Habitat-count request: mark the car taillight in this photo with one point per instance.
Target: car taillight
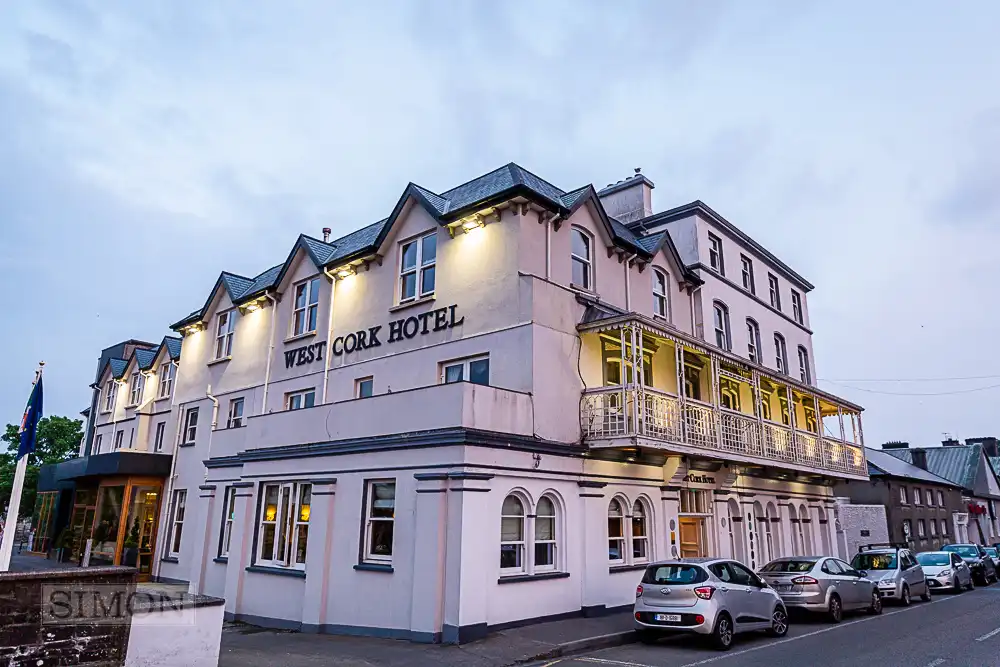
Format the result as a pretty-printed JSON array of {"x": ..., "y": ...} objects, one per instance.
[
  {"x": 704, "y": 592},
  {"x": 804, "y": 581},
  {"x": 699, "y": 619},
  {"x": 638, "y": 591}
]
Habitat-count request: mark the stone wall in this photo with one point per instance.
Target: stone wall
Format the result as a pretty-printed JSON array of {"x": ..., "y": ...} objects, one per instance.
[
  {"x": 860, "y": 524},
  {"x": 32, "y": 637}
]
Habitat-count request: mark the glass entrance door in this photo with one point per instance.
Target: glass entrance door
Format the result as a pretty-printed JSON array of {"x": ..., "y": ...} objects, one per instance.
[{"x": 140, "y": 528}]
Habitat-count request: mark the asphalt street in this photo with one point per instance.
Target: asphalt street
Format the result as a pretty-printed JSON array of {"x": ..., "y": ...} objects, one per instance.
[{"x": 949, "y": 631}]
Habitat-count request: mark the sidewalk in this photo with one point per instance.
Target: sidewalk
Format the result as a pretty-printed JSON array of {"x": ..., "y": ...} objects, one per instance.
[{"x": 248, "y": 646}]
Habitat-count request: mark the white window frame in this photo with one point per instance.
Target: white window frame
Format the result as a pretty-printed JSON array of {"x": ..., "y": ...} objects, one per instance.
[
  {"x": 136, "y": 384},
  {"x": 720, "y": 322},
  {"x": 587, "y": 262},
  {"x": 805, "y": 372},
  {"x": 553, "y": 540},
  {"x": 797, "y": 307},
  {"x": 236, "y": 405},
  {"x": 620, "y": 539},
  {"x": 917, "y": 499},
  {"x": 167, "y": 372},
  {"x": 940, "y": 498},
  {"x": 753, "y": 342},
  {"x": 716, "y": 255},
  {"x": 119, "y": 439},
  {"x": 780, "y": 353},
  {"x": 289, "y": 523},
  {"x": 661, "y": 297},
  {"x": 520, "y": 545},
  {"x": 420, "y": 266},
  {"x": 110, "y": 395},
  {"x": 178, "y": 508},
  {"x": 370, "y": 521},
  {"x": 465, "y": 366},
  {"x": 921, "y": 528},
  {"x": 225, "y": 326},
  {"x": 748, "y": 279},
  {"x": 228, "y": 514},
  {"x": 932, "y": 527},
  {"x": 158, "y": 434},
  {"x": 300, "y": 396},
  {"x": 774, "y": 289},
  {"x": 359, "y": 384},
  {"x": 929, "y": 498},
  {"x": 637, "y": 538},
  {"x": 97, "y": 443},
  {"x": 904, "y": 498},
  {"x": 190, "y": 432},
  {"x": 305, "y": 307}
]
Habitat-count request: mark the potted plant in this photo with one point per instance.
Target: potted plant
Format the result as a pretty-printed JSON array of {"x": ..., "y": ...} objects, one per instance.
[{"x": 130, "y": 555}]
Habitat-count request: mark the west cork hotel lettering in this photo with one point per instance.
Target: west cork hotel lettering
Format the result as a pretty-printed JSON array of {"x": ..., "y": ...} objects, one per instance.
[{"x": 435, "y": 320}]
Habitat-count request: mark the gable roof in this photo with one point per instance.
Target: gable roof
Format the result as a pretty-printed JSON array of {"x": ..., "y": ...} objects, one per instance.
[
  {"x": 882, "y": 464},
  {"x": 118, "y": 367},
  {"x": 144, "y": 358},
  {"x": 959, "y": 464},
  {"x": 173, "y": 345},
  {"x": 653, "y": 243}
]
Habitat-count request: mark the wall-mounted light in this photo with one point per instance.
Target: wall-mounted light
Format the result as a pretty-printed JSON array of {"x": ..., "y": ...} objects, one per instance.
[
  {"x": 468, "y": 224},
  {"x": 253, "y": 306},
  {"x": 475, "y": 223},
  {"x": 345, "y": 271},
  {"x": 193, "y": 328}
]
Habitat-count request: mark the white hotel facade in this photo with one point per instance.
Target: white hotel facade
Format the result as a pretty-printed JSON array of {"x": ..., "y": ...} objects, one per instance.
[{"x": 493, "y": 406}]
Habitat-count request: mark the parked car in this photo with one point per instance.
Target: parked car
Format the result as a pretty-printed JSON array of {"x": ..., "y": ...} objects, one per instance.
[
  {"x": 983, "y": 569},
  {"x": 946, "y": 570},
  {"x": 894, "y": 570},
  {"x": 822, "y": 584},
  {"x": 994, "y": 553},
  {"x": 706, "y": 596}
]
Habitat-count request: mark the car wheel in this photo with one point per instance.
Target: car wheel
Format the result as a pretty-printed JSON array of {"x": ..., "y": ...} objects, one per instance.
[
  {"x": 836, "y": 610},
  {"x": 958, "y": 585},
  {"x": 646, "y": 636},
  {"x": 926, "y": 595},
  {"x": 876, "y": 606},
  {"x": 779, "y": 622},
  {"x": 722, "y": 635},
  {"x": 972, "y": 583},
  {"x": 905, "y": 596}
]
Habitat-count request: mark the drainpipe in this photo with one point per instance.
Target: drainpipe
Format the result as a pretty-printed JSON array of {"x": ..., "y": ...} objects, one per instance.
[
  {"x": 628, "y": 290},
  {"x": 694, "y": 323},
  {"x": 548, "y": 249},
  {"x": 270, "y": 351},
  {"x": 215, "y": 423},
  {"x": 329, "y": 332},
  {"x": 165, "y": 500}
]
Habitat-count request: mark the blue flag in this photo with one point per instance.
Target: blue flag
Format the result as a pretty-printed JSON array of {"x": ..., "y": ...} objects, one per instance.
[{"x": 29, "y": 425}]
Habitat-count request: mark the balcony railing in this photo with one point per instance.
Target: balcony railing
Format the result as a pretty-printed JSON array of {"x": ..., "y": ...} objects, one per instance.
[{"x": 613, "y": 413}]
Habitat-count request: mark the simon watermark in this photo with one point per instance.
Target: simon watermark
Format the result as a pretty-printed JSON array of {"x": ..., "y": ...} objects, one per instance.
[{"x": 109, "y": 604}]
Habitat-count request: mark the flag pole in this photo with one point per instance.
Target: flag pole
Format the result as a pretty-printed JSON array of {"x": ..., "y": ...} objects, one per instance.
[{"x": 7, "y": 544}]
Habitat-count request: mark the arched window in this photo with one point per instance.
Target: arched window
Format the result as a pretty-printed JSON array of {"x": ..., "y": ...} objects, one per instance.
[
  {"x": 723, "y": 337},
  {"x": 512, "y": 535},
  {"x": 804, "y": 542},
  {"x": 753, "y": 342},
  {"x": 661, "y": 294},
  {"x": 616, "y": 532},
  {"x": 545, "y": 535},
  {"x": 581, "y": 254},
  {"x": 780, "y": 353},
  {"x": 804, "y": 373},
  {"x": 640, "y": 533}
]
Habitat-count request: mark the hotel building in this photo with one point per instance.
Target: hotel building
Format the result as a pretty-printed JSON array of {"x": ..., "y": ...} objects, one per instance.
[{"x": 495, "y": 405}]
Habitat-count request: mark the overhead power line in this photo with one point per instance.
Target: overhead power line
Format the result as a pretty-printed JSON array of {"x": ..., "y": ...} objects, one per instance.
[
  {"x": 953, "y": 379},
  {"x": 909, "y": 393}
]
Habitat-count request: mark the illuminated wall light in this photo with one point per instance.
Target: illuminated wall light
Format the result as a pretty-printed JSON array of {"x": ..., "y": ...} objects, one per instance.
[
  {"x": 346, "y": 272},
  {"x": 475, "y": 223}
]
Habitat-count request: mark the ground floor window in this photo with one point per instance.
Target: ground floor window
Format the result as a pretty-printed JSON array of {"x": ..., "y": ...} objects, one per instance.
[
  {"x": 380, "y": 514},
  {"x": 512, "y": 536},
  {"x": 177, "y": 508},
  {"x": 518, "y": 537},
  {"x": 284, "y": 524},
  {"x": 45, "y": 504},
  {"x": 228, "y": 514}
]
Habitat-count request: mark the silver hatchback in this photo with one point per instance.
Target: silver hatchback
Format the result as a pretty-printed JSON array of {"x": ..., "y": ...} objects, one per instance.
[
  {"x": 822, "y": 584},
  {"x": 706, "y": 596}
]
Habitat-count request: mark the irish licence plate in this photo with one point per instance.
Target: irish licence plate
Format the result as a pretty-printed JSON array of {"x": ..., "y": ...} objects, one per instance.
[
  {"x": 783, "y": 587},
  {"x": 667, "y": 618}
]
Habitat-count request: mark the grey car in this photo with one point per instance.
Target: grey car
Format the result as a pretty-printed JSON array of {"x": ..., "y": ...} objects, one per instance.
[
  {"x": 983, "y": 570},
  {"x": 945, "y": 570},
  {"x": 822, "y": 584},
  {"x": 706, "y": 596},
  {"x": 894, "y": 570}
]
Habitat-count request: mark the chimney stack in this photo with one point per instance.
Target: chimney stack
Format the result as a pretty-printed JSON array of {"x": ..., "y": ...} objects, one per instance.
[
  {"x": 990, "y": 445},
  {"x": 629, "y": 200},
  {"x": 951, "y": 442},
  {"x": 895, "y": 444},
  {"x": 920, "y": 458},
  {"x": 326, "y": 235}
]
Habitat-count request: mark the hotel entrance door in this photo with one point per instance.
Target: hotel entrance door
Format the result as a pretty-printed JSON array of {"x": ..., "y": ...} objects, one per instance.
[{"x": 692, "y": 536}]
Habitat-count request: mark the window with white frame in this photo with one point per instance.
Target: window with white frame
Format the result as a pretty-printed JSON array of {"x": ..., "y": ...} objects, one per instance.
[
  {"x": 797, "y": 307},
  {"x": 780, "y": 354},
  {"x": 284, "y": 524},
  {"x": 119, "y": 437},
  {"x": 135, "y": 386},
  {"x": 921, "y": 532},
  {"x": 224, "y": 328},
  {"x": 512, "y": 536},
  {"x": 306, "y": 307},
  {"x": 97, "y": 443},
  {"x": 417, "y": 267},
  {"x": 190, "y": 426},
  {"x": 167, "y": 372},
  {"x": 753, "y": 342},
  {"x": 235, "y": 418},
  {"x": 364, "y": 387},
  {"x": 933, "y": 527},
  {"x": 929, "y": 496},
  {"x": 940, "y": 498},
  {"x": 582, "y": 259},
  {"x": 661, "y": 294},
  {"x": 640, "y": 533},
  {"x": 715, "y": 257},
  {"x": 616, "y": 531},
  {"x": 110, "y": 395},
  {"x": 723, "y": 336},
  {"x": 298, "y": 400},
  {"x": 903, "y": 498},
  {"x": 228, "y": 515},
  {"x": 748, "y": 283},
  {"x": 544, "y": 546},
  {"x": 916, "y": 496},
  {"x": 805, "y": 374},
  {"x": 775, "y": 291},
  {"x": 177, "y": 508},
  {"x": 161, "y": 428},
  {"x": 380, "y": 513},
  {"x": 474, "y": 369}
]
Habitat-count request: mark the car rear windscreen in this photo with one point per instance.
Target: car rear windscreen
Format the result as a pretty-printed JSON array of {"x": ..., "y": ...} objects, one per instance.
[
  {"x": 934, "y": 559},
  {"x": 674, "y": 575},
  {"x": 801, "y": 565},
  {"x": 874, "y": 561}
]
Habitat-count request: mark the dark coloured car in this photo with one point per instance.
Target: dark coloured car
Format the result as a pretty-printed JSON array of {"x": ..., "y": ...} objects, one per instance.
[{"x": 984, "y": 572}]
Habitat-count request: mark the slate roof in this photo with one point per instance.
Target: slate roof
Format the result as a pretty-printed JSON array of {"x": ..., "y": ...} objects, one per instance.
[
  {"x": 118, "y": 367},
  {"x": 958, "y": 465},
  {"x": 173, "y": 346},
  {"x": 881, "y": 463},
  {"x": 235, "y": 285},
  {"x": 995, "y": 463},
  {"x": 144, "y": 358}
]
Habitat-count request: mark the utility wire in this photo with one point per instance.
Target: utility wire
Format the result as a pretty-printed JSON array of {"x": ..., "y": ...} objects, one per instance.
[
  {"x": 970, "y": 377},
  {"x": 907, "y": 393}
]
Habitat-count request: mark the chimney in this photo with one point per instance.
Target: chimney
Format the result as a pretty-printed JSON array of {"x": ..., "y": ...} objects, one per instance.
[
  {"x": 990, "y": 445},
  {"x": 326, "y": 235},
  {"x": 920, "y": 458},
  {"x": 629, "y": 200},
  {"x": 951, "y": 442},
  {"x": 895, "y": 444}
]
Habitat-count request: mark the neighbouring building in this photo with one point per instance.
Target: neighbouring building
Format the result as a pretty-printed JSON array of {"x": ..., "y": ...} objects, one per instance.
[
  {"x": 496, "y": 404},
  {"x": 110, "y": 495},
  {"x": 922, "y": 509},
  {"x": 967, "y": 466}
]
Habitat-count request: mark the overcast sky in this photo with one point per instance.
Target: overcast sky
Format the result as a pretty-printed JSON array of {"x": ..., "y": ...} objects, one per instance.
[{"x": 145, "y": 146}]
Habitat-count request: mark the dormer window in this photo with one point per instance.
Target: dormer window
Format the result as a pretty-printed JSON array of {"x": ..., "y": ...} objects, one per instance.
[
  {"x": 224, "y": 334},
  {"x": 167, "y": 372},
  {"x": 135, "y": 387},
  {"x": 110, "y": 395},
  {"x": 582, "y": 258},
  {"x": 306, "y": 309},
  {"x": 417, "y": 267}
]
